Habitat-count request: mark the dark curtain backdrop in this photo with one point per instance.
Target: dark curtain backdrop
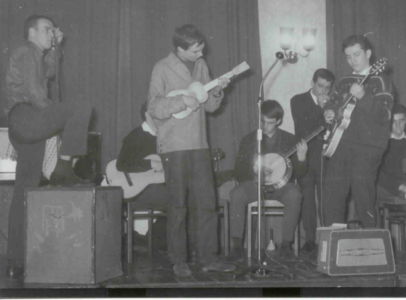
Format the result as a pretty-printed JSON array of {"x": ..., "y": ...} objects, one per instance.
[
  {"x": 384, "y": 23},
  {"x": 112, "y": 45}
]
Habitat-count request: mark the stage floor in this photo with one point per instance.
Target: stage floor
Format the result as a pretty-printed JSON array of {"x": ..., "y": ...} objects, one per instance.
[{"x": 156, "y": 272}]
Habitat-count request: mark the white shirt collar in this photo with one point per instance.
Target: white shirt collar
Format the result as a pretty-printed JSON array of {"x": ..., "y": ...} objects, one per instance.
[
  {"x": 148, "y": 128},
  {"x": 363, "y": 72},
  {"x": 403, "y": 136},
  {"x": 314, "y": 97}
]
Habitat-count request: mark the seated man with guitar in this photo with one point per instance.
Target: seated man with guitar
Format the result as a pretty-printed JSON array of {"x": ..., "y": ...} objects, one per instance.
[
  {"x": 138, "y": 169},
  {"x": 277, "y": 146},
  {"x": 361, "y": 106}
]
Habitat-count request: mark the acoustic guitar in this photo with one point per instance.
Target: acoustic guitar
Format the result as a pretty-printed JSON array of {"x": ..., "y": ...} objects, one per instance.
[
  {"x": 242, "y": 67},
  {"x": 333, "y": 136},
  {"x": 132, "y": 183}
]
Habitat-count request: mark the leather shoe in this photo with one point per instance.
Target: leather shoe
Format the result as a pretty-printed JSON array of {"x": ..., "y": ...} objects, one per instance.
[
  {"x": 63, "y": 175},
  {"x": 309, "y": 247},
  {"x": 13, "y": 272},
  {"x": 218, "y": 266}
]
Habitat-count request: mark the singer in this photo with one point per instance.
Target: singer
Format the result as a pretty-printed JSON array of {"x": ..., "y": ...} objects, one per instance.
[{"x": 33, "y": 118}]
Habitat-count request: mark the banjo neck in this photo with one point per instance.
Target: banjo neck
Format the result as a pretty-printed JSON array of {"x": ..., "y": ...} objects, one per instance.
[{"x": 307, "y": 138}]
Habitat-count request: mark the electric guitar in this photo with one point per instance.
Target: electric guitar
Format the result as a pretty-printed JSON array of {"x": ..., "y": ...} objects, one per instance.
[
  {"x": 132, "y": 183},
  {"x": 242, "y": 67},
  {"x": 333, "y": 136}
]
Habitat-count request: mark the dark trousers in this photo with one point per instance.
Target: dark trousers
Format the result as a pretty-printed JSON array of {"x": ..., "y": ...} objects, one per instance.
[
  {"x": 353, "y": 169},
  {"x": 289, "y": 195},
  {"x": 29, "y": 127},
  {"x": 155, "y": 197},
  {"x": 310, "y": 185},
  {"x": 192, "y": 205}
]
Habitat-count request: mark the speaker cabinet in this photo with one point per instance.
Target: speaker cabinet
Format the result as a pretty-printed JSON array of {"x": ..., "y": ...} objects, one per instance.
[
  {"x": 73, "y": 235},
  {"x": 355, "y": 252}
]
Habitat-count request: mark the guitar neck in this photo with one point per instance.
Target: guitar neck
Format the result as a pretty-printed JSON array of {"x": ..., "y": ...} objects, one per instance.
[
  {"x": 212, "y": 84},
  {"x": 307, "y": 138}
]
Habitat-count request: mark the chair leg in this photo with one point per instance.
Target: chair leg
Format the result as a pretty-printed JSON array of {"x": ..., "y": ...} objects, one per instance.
[
  {"x": 130, "y": 225},
  {"x": 296, "y": 243},
  {"x": 150, "y": 222},
  {"x": 226, "y": 215},
  {"x": 249, "y": 233}
]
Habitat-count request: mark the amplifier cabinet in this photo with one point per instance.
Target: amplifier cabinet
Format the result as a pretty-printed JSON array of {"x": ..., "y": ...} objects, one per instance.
[
  {"x": 354, "y": 252},
  {"x": 73, "y": 235}
]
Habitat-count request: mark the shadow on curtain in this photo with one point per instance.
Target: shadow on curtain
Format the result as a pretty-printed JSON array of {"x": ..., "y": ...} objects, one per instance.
[{"x": 112, "y": 45}]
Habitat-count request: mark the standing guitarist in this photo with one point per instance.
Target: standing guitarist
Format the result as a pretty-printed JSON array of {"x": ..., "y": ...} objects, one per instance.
[
  {"x": 184, "y": 149},
  {"x": 354, "y": 165},
  {"x": 307, "y": 113}
]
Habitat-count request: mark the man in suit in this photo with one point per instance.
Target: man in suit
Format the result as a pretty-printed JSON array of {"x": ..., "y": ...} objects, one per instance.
[{"x": 307, "y": 113}]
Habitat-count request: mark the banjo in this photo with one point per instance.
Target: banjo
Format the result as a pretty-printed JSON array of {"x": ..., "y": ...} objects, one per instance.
[{"x": 277, "y": 167}]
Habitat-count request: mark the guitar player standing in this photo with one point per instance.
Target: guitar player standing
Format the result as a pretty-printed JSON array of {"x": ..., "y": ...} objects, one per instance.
[
  {"x": 353, "y": 166},
  {"x": 183, "y": 146}
]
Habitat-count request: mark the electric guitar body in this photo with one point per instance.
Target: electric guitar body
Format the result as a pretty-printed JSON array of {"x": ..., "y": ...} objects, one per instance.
[{"x": 333, "y": 136}]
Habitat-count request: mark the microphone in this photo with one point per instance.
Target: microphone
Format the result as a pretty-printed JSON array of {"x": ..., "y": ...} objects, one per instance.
[
  {"x": 53, "y": 40},
  {"x": 279, "y": 55}
]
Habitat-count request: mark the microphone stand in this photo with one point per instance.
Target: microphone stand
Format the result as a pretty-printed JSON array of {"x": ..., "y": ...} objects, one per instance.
[{"x": 262, "y": 271}]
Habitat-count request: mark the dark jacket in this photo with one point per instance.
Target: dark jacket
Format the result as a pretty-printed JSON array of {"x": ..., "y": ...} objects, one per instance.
[
  {"x": 136, "y": 146},
  {"x": 307, "y": 117},
  {"x": 371, "y": 119}
]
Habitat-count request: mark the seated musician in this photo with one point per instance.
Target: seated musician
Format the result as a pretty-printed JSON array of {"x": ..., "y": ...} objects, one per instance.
[
  {"x": 392, "y": 172},
  {"x": 274, "y": 140},
  {"x": 138, "y": 144}
]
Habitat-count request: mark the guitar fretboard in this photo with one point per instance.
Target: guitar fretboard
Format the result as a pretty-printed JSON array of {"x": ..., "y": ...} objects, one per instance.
[{"x": 306, "y": 138}]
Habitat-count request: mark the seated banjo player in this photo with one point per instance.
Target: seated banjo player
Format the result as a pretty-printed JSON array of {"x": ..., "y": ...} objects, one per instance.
[{"x": 274, "y": 140}]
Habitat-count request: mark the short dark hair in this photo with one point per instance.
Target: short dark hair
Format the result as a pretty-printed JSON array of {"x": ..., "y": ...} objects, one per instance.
[
  {"x": 325, "y": 74},
  {"x": 187, "y": 35},
  {"x": 32, "y": 21},
  {"x": 362, "y": 40},
  {"x": 399, "y": 109},
  {"x": 272, "y": 109}
]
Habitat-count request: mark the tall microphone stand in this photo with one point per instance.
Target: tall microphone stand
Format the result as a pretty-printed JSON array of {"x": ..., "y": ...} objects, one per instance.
[{"x": 262, "y": 271}]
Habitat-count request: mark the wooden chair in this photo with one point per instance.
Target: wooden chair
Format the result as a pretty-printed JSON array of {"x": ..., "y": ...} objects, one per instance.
[{"x": 270, "y": 208}]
